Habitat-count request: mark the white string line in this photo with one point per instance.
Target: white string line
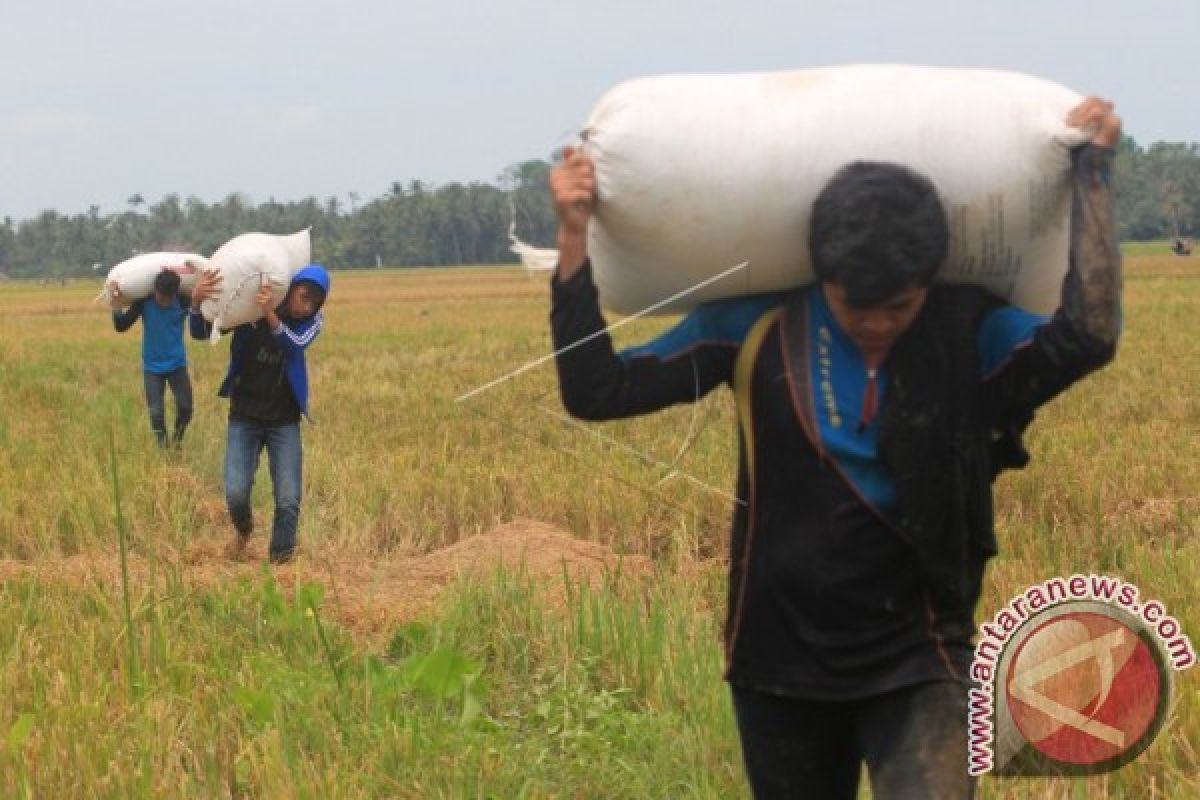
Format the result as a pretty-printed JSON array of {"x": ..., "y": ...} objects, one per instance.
[
  {"x": 539, "y": 361},
  {"x": 671, "y": 469},
  {"x": 480, "y": 410},
  {"x": 648, "y": 459},
  {"x": 687, "y": 439}
]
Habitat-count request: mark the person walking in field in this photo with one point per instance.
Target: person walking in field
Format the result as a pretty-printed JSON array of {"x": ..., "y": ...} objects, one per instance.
[
  {"x": 164, "y": 358},
  {"x": 875, "y": 409},
  {"x": 267, "y": 387}
]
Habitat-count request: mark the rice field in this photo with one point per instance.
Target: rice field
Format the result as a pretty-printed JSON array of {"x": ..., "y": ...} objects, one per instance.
[{"x": 407, "y": 654}]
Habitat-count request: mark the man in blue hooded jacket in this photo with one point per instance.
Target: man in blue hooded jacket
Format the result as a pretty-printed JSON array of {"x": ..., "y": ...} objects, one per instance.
[{"x": 267, "y": 387}]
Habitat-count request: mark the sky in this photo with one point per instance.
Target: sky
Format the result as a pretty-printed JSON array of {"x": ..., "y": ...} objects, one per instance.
[{"x": 287, "y": 100}]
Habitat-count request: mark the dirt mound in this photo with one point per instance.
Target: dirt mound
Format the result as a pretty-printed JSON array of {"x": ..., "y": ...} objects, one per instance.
[
  {"x": 370, "y": 597},
  {"x": 365, "y": 596},
  {"x": 540, "y": 550}
]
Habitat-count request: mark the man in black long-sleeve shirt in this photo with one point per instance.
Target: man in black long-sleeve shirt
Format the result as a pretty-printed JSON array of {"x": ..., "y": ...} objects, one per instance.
[{"x": 875, "y": 408}]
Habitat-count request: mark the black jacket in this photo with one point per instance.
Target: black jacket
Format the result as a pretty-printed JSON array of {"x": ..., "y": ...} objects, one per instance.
[{"x": 946, "y": 432}]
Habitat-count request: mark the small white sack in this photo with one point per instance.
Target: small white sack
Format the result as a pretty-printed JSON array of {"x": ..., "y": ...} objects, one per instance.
[
  {"x": 698, "y": 173},
  {"x": 246, "y": 263},
  {"x": 135, "y": 276}
]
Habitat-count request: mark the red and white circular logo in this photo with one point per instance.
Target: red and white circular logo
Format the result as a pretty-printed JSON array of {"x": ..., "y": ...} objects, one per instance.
[{"x": 1086, "y": 688}]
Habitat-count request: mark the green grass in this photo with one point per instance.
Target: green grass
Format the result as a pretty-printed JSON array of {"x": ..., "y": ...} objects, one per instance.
[
  {"x": 236, "y": 686},
  {"x": 1154, "y": 247},
  {"x": 246, "y": 692}
]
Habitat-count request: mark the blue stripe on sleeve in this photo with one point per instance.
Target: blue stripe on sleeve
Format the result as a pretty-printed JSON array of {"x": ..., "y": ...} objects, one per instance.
[
  {"x": 1003, "y": 332},
  {"x": 719, "y": 322}
]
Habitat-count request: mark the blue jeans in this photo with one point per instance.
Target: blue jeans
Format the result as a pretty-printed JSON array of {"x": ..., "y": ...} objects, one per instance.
[
  {"x": 246, "y": 441},
  {"x": 156, "y": 389}
]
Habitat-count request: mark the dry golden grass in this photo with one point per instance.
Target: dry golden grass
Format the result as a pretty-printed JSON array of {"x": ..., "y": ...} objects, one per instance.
[{"x": 400, "y": 478}]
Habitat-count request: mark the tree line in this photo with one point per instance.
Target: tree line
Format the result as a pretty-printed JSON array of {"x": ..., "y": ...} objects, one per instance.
[
  {"x": 415, "y": 224},
  {"x": 411, "y": 224},
  {"x": 1158, "y": 189}
]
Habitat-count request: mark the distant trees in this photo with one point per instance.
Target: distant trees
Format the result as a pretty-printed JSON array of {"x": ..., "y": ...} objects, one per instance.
[
  {"x": 1158, "y": 189},
  {"x": 414, "y": 223},
  {"x": 8, "y": 238}
]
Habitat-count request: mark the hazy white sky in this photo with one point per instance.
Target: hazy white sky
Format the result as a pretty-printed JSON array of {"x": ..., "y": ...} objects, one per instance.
[{"x": 291, "y": 99}]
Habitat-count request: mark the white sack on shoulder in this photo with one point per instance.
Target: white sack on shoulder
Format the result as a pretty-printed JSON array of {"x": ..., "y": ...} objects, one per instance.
[
  {"x": 135, "y": 276},
  {"x": 696, "y": 173},
  {"x": 246, "y": 263}
]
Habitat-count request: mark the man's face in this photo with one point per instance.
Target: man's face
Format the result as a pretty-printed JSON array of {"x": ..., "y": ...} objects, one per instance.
[
  {"x": 162, "y": 298},
  {"x": 303, "y": 301},
  {"x": 876, "y": 328}
]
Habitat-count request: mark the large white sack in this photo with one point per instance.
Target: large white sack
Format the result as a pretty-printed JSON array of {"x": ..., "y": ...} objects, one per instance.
[
  {"x": 135, "y": 276},
  {"x": 698, "y": 173},
  {"x": 246, "y": 263}
]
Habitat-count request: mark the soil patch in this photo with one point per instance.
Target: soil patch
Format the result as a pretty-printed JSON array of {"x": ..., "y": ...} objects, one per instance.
[{"x": 367, "y": 597}]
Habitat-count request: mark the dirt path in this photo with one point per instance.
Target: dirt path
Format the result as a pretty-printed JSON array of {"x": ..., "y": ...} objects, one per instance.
[{"x": 367, "y": 597}]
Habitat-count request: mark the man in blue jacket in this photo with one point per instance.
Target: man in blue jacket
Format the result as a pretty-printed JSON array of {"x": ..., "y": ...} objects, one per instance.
[
  {"x": 164, "y": 360},
  {"x": 267, "y": 387}
]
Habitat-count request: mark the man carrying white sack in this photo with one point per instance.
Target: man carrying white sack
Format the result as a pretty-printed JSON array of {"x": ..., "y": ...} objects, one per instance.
[
  {"x": 267, "y": 387},
  {"x": 164, "y": 359},
  {"x": 876, "y": 407}
]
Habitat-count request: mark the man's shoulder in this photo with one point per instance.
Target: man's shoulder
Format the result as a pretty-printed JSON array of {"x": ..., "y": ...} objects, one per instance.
[
  {"x": 718, "y": 323},
  {"x": 961, "y": 304},
  {"x": 964, "y": 293},
  {"x": 730, "y": 319}
]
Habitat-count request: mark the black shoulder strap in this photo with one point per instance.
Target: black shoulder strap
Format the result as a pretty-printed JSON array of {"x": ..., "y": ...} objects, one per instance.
[{"x": 797, "y": 350}]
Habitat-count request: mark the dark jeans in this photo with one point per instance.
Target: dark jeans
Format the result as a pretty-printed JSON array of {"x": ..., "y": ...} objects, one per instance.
[
  {"x": 156, "y": 389},
  {"x": 246, "y": 441},
  {"x": 913, "y": 740}
]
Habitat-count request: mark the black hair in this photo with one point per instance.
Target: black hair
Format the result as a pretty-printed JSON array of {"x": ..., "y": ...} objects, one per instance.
[
  {"x": 876, "y": 230},
  {"x": 166, "y": 282}
]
